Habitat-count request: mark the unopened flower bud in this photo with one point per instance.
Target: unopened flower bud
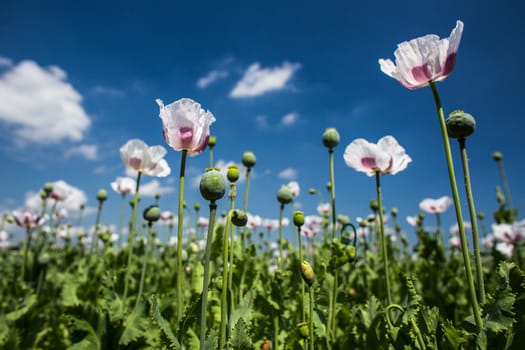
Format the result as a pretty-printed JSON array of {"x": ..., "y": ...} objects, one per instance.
[
  {"x": 481, "y": 215},
  {"x": 307, "y": 273},
  {"x": 212, "y": 140},
  {"x": 330, "y": 138},
  {"x": 102, "y": 195},
  {"x": 151, "y": 213},
  {"x": 351, "y": 254},
  {"x": 157, "y": 196},
  {"x": 239, "y": 218},
  {"x": 497, "y": 156},
  {"x": 343, "y": 219},
  {"x": 312, "y": 191},
  {"x": 248, "y": 159},
  {"x": 10, "y": 219},
  {"x": 284, "y": 195},
  {"x": 328, "y": 186},
  {"x": 48, "y": 187},
  {"x": 460, "y": 124},
  {"x": 374, "y": 205},
  {"x": 43, "y": 195},
  {"x": 298, "y": 218},
  {"x": 233, "y": 173},
  {"x": 393, "y": 212},
  {"x": 212, "y": 185},
  {"x": 196, "y": 206},
  {"x": 44, "y": 258}
]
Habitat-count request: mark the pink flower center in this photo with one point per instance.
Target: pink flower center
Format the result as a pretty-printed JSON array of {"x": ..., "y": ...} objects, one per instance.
[
  {"x": 186, "y": 135},
  {"x": 449, "y": 64},
  {"x": 135, "y": 162},
  {"x": 369, "y": 162},
  {"x": 422, "y": 73}
]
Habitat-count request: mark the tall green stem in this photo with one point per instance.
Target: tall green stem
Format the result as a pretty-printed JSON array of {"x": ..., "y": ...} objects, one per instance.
[
  {"x": 121, "y": 220},
  {"x": 131, "y": 234},
  {"x": 303, "y": 311},
  {"x": 232, "y": 242},
  {"x": 457, "y": 205},
  {"x": 473, "y": 221},
  {"x": 245, "y": 204},
  {"x": 180, "y": 224},
  {"x": 224, "y": 291},
  {"x": 206, "y": 278},
  {"x": 505, "y": 184},
  {"x": 438, "y": 237},
  {"x": 94, "y": 239},
  {"x": 144, "y": 263},
  {"x": 332, "y": 189},
  {"x": 383, "y": 238},
  {"x": 26, "y": 250},
  {"x": 311, "y": 318},
  {"x": 281, "y": 235}
]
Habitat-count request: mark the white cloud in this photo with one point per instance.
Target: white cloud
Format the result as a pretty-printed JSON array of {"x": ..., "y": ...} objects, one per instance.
[
  {"x": 211, "y": 77},
  {"x": 5, "y": 62},
  {"x": 87, "y": 151},
  {"x": 41, "y": 105},
  {"x": 262, "y": 121},
  {"x": 104, "y": 90},
  {"x": 288, "y": 174},
  {"x": 290, "y": 119},
  {"x": 258, "y": 81},
  {"x": 75, "y": 198},
  {"x": 223, "y": 169},
  {"x": 154, "y": 187}
]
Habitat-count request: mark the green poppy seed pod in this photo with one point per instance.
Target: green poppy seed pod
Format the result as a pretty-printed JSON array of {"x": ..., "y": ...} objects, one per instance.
[
  {"x": 420, "y": 216},
  {"x": 331, "y": 138},
  {"x": 284, "y": 195},
  {"x": 362, "y": 223},
  {"x": 44, "y": 258},
  {"x": 307, "y": 273},
  {"x": 212, "y": 185},
  {"x": 151, "y": 213},
  {"x": 460, "y": 124},
  {"x": 102, "y": 195},
  {"x": 10, "y": 219},
  {"x": 43, "y": 195},
  {"x": 248, "y": 159},
  {"x": 233, "y": 173},
  {"x": 196, "y": 206},
  {"x": 298, "y": 218},
  {"x": 239, "y": 218},
  {"x": 343, "y": 219},
  {"x": 312, "y": 191},
  {"x": 481, "y": 215},
  {"x": 328, "y": 186},
  {"x": 157, "y": 196},
  {"x": 497, "y": 156},
  {"x": 374, "y": 205},
  {"x": 393, "y": 212},
  {"x": 48, "y": 187},
  {"x": 212, "y": 140},
  {"x": 351, "y": 254}
]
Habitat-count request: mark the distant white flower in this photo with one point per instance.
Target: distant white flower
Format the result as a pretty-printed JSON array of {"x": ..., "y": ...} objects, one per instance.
[
  {"x": 202, "y": 221},
  {"x": 294, "y": 188},
  {"x": 454, "y": 242},
  {"x": 454, "y": 229},
  {"x": 508, "y": 236},
  {"x": 435, "y": 206},
  {"x": 254, "y": 221},
  {"x": 324, "y": 209},
  {"x": 412, "y": 220},
  {"x": 124, "y": 185},
  {"x": 137, "y": 155}
]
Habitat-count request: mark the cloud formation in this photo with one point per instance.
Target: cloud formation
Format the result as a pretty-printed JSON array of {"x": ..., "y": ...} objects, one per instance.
[
  {"x": 75, "y": 197},
  {"x": 41, "y": 105},
  {"x": 109, "y": 91},
  {"x": 290, "y": 119},
  {"x": 87, "y": 151},
  {"x": 288, "y": 174},
  {"x": 211, "y": 77},
  {"x": 257, "y": 81},
  {"x": 154, "y": 187}
]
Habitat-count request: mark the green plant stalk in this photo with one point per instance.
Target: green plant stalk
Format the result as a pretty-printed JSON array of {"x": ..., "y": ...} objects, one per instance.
[
  {"x": 232, "y": 242},
  {"x": 281, "y": 210},
  {"x": 311, "y": 318},
  {"x": 144, "y": 263},
  {"x": 131, "y": 235},
  {"x": 303, "y": 311},
  {"x": 382, "y": 238},
  {"x": 332, "y": 189},
  {"x": 438, "y": 237},
  {"x": 275, "y": 330},
  {"x": 457, "y": 206},
  {"x": 224, "y": 291},
  {"x": 206, "y": 277},
  {"x": 180, "y": 224},
  {"x": 473, "y": 221},
  {"x": 211, "y": 156},
  {"x": 506, "y": 187},
  {"x": 413, "y": 323},
  {"x": 245, "y": 204},
  {"x": 331, "y": 331},
  {"x": 26, "y": 250},
  {"x": 121, "y": 220},
  {"x": 94, "y": 239}
]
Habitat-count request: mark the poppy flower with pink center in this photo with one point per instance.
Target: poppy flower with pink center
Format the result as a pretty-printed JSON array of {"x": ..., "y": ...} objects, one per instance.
[
  {"x": 28, "y": 220},
  {"x": 124, "y": 185},
  {"x": 385, "y": 157},
  {"x": 185, "y": 125},
  {"x": 435, "y": 206},
  {"x": 424, "y": 59},
  {"x": 137, "y": 155}
]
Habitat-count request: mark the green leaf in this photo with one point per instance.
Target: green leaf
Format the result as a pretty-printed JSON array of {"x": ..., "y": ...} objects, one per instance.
[
  {"x": 244, "y": 309},
  {"x": 134, "y": 326},
  {"x": 24, "y": 308},
  {"x": 90, "y": 341},
  {"x": 170, "y": 340},
  {"x": 211, "y": 341},
  {"x": 240, "y": 338},
  {"x": 452, "y": 335}
]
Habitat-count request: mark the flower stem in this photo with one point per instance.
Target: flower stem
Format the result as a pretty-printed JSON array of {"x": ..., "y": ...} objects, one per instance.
[
  {"x": 473, "y": 221},
  {"x": 206, "y": 278},
  {"x": 311, "y": 318},
  {"x": 457, "y": 206},
  {"x": 303, "y": 311},
  {"x": 180, "y": 224},
  {"x": 332, "y": 189},
  {"x": 383, "y": 238},
  {"x": 26, "y": 250},
  {"x": 121, "y": 221},
  {"x": 505, "y": 184},
  {"x": 131, "y": 234},
  {"x": 245, "y": 204},
  {"x": 438, "y": 237},
  {"x": 94, "y": 239},
  {"x": 144, "y": 264},
  {"x": 281, "y": 234},
  {"x": 224, "y": 292}
]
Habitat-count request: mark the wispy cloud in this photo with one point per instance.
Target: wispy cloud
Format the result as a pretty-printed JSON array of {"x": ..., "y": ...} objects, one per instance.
[
  {"x": 154, "y": 187},
  {"x": 5, "y": 62},
  {"x": 104, "y": 90},
  {"x": 74, "y": 199},
  {"x": 41, "y": 104},
  {"x": 87, "y": 151},
  {"x": 288, "y": 174},
  {"x": 290, "y": 119},
  {"x": 257, "y": 81},
  {"x": 262, "y": 121},
  {"x": 211, "y": 77}
]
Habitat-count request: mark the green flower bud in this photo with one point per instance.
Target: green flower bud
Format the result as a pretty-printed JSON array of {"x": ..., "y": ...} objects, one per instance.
[
  {"x": 328, "y": 186},
  {"x": 481, "y": 215},
  {"x": 104, "y": 236},
  {"x": 298, "y": 218},
  {"x": 233, "y": 173},
  {"x": 460, "y": 124},
  {"x": 212, "y": 185},
  {"x": 330, "y": 138},
  {"x": 497, "y": 156},
  {"x": 43, "y": 195},
  {"x": 151, "y": 213},
  {"x": 44, "y": 258},
  {"x": 351, "y": 254},
  {"x": 102, "y": 195},
  {"x": 312, "y": 191},
  {"x": 196, "y": 206},
  {"x": 48, "y": 187},
  {"x": 284, "y": 195},
  {"x": 10, "y": 219},
  {"x": 212, "y": 140},
  {"x": 307, "y": 273},
  {"x": 303, "y": 329},
  {"x": 248, "y": 159},
  {"x": 362, "y": 223},
  {"x": 239, "y": 218},
  {"x": 157, "y": 196},
  {"x": 343, "y": 219},
  {"x": 393, "y": 212},
  {"x": 374, "y": 205}
]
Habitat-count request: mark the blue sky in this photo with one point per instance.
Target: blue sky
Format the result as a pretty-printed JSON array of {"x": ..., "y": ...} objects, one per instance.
[{"x": 82, "y": 78}]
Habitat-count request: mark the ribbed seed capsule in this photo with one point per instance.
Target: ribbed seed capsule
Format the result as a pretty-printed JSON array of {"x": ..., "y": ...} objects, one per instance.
[{"x": 307, "y": 273}]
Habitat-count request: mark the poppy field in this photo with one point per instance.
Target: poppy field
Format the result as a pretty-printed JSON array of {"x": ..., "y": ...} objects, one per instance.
[{"x": 234, "y": 280}]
